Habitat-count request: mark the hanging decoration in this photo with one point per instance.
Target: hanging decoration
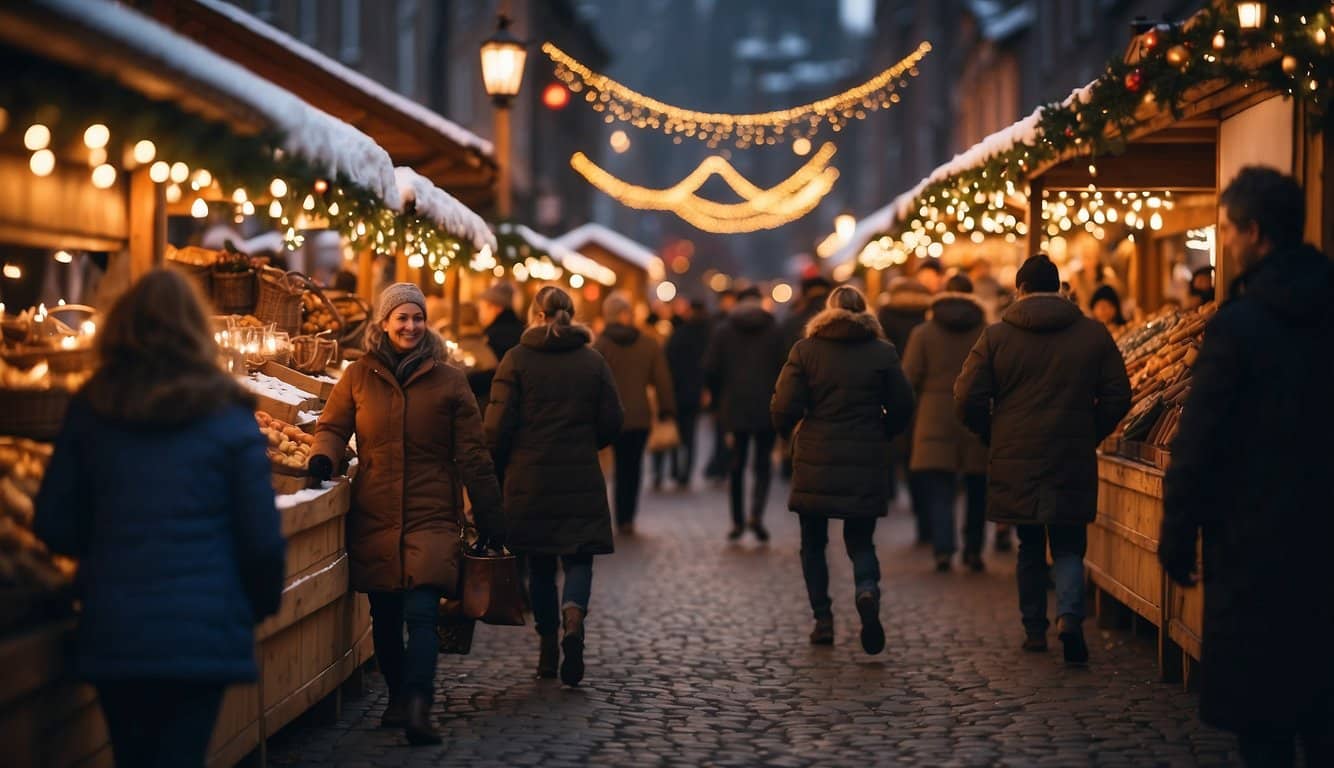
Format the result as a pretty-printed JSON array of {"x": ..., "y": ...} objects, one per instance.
[
  {"x": 758, "y": 209},
  {"x": 1287, "y": 52},
  {"x": 626, "y": 105}
]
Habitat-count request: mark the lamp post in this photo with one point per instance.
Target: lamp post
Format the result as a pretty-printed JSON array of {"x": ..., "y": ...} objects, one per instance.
[{"x": 503, "y": 57}]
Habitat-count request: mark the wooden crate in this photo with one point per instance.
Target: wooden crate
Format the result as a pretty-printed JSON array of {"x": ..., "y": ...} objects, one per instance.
[
  {"x": 1123, "y": 544},
  {"x": 316, "y": 386}
]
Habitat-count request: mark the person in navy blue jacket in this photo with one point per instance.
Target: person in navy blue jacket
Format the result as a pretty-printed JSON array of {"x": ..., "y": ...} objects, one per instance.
[{"x": 159, "y": 485}]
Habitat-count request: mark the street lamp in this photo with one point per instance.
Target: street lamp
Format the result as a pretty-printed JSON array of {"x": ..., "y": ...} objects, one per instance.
[
  {"x": 1250, "y": 16},
  {"x": 503, "y": 57}
]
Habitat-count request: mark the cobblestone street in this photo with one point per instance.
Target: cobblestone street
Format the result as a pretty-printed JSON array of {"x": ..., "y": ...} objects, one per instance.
[{"x": 698, "y": 655}]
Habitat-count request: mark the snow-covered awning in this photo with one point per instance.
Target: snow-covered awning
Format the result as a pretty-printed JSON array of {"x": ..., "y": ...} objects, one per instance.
[
  {"x": 623, "y": 247},
  {"x": 436, "y": 205},
  {"x": 568, "y": 258},
  {"x": 122, "y": 44}
]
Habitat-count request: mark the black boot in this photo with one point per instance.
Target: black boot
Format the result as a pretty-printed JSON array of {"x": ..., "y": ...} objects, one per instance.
[
  {"x": 572, "y": 669},
  {"x": 757, "y": 527},
  {"x": 1035, "y": 642},
  {"x": 823, "y": 634},
  {"x": 873, "y": 633},
  {"x": 550, "y": 656},
  {"x": 1072, "y": 641},
  {"x": 974, "y": 562},
  {"x": 395, "y": 714},
  {"x": 419, "y": 730}
]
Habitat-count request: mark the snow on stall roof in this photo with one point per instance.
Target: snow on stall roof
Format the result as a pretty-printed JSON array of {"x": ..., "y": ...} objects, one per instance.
[
  {"x": 437, "y": 205},
  {"x": 1023, "y": 132},
  {"x": 568, "y": 258},
  {"x": 330, "y": 145},
  {"x": 639, "y": 255},
  {"x": 456, "y": 133}
]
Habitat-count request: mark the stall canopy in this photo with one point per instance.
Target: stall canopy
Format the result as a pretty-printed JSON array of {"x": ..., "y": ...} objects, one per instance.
[
  {"x": 438, "y": 206},
  {"x": 568, "y": 258},
  {"x": 442, "y": 151},
  {"x": 615, "y": 244}
]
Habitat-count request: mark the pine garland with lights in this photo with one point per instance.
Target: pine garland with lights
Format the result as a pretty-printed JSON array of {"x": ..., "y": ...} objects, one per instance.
[{"x": 1210, "y": 48}]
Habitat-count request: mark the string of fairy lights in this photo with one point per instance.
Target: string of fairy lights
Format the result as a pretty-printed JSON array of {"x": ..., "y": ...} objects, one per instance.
[{"x": 786, "y": 201}]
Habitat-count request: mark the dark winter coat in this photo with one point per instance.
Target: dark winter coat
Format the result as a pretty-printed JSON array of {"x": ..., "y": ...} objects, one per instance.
[
  {"x": 685, "y": 358},
  {"x": 840, "y": 399},
  {"x": 908, "y": 302},
  {"x": 1043, "y": 387},
  {"x": 637, "y": 363},
  {"x": 179, "y": 545},
  {"x": 504, "y": 332},
  {"x": 553, "y": 406},
  {"x": 933, "y": 360},
  {"x": 414, "y": 441},
  {"x": 794, "y": 325},
  {"x": 741, "y": 367},
  {"x": 1250, "y": 466}
]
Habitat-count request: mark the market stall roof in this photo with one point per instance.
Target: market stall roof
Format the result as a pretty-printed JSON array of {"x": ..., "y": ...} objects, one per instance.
[
  {"x": 568, "y": 258},
  {"x": 444, "y": 152},
  {"x": 130, "y": 48},
  {"x": 436, "y": 205},
  {"x": 620, "y": 245}
]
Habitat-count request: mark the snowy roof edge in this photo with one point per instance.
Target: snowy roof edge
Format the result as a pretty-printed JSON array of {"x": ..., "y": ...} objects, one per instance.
[
  {"x": 635, "y": 253},
  {"x": 444, "y": 209}
]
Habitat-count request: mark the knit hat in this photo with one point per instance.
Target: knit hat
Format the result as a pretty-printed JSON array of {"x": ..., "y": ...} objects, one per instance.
[
  {"x": 397, "y": 295},
  {"x": 1038, "y": 275},
  {"x": 500, "y": 294}
]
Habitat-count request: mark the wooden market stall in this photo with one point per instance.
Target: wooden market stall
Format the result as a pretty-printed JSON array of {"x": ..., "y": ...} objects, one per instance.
[
  {"x": 637, "y": 267},
  {"x": 106, "y": 54}
]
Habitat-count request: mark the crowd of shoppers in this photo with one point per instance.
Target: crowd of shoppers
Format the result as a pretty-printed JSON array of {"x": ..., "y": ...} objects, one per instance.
[{"x": 173, "y": 584}]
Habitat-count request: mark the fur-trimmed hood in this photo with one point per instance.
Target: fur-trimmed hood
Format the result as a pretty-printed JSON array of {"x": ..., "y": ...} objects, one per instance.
[
  {"x": 842, "y": 325},
  {"x": 958, "y": 311},
  {"x": 907, "y": 294},
  {"x": 548, "y": 338}
]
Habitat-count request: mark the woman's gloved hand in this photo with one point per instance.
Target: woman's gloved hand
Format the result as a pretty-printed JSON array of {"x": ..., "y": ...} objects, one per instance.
[{"x": 320, "y": 467}]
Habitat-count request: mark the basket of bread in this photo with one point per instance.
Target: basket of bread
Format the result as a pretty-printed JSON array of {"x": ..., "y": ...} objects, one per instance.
[{"x": 289, "y": 452}]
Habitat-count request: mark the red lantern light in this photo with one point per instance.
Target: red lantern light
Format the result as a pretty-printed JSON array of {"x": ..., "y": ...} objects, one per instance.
[
  {"x": 555, "y": 96},
  {"x": 1134, "y": 80}
]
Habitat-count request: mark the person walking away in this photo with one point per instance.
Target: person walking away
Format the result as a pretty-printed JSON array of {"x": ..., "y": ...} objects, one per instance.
[
  {"x": 637, "y": 363},
  {"x": 720, "y": 460},
  {"x": 814, "y": 293},
  {"x": 477, "y": 353},
  {"x": 1043, "y": 388},
  {"x": 500, "y": 324},
  {"x": 685, "y": 359},
  {"x": 909, "y": 298},
  {"x": 840, "y": 398},
  {"x": 553, "y": 406},
  {"x": 942, "y": 449},
  {"x": 741, "y": 367},
  {"x": 1250, "y": 469},
  {"x": 159, "y": 486},
  {"x": 1106, "y": 308},
  {"x": 419, "y": 435}
]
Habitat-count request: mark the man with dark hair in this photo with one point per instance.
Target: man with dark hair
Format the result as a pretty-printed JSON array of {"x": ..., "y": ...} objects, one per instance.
[
  {"x": 721, "y": 458},
  {"x": 741, "y": 367},
  {"x": 1042, "y": 388},
  {"x": 1250, "y": 466},
  {"x": 685, "y": 358}
]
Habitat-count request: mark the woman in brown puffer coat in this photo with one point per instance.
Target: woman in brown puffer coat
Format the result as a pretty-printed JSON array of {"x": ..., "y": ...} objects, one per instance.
[
  {"x": 553, "y": 406},
  {"x": 418, "y": 431},
  {"x": 840, "y": 399},
  {"x": 942, "y": 448}
]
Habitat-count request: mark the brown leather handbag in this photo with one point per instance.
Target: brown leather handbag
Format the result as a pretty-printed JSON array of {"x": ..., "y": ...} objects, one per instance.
[{"x": 491, "y": 590}]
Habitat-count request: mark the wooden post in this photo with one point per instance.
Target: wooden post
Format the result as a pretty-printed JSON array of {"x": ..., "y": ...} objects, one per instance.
[
  {"x": 401, "y": 268},
  {"x": 455, "y": 279},
  {"x": 366, "y": 274},
  {"x": 148, "y": 223}
]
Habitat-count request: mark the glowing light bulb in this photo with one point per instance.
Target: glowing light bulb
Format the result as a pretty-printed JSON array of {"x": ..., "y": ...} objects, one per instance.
[
  {"x": 278, "y": 188},
  {"x": 42, "y": 162},
  {"x": 1156, "y": 221},
  {"x": 104, "y": 176},
  {"x": 199, "y": 208},
  {"x": 333, "y": 209},
  {"x": 173, "y": 193},
  {"x": 144, "y": 152},
  {"x": 159, "y": 172},
  {"x": 96, "y": 136},
  {"x": 63, "y": 257},
  {"x": 309, "y": 203},
  {"x": 37, "y": 137},
  {"x": 179, "y": 172}
]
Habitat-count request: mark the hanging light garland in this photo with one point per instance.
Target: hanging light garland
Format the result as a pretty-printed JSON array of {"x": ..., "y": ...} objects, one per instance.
[
  {"x": 780, "y": 204},
  {"x": 626, "y": 105}
]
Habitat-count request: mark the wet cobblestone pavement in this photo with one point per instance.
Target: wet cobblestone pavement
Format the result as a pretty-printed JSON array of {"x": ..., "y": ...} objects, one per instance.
[{"x": 698, "y": 655}]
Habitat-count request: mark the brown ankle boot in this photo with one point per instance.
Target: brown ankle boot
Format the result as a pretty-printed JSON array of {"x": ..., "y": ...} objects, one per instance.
[
  {"x": 572, "y": 669},
  {"x": 419, "y": 730},
  {"x": 549, "y": 656}
]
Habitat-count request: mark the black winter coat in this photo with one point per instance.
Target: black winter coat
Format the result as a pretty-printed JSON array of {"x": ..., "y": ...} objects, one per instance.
[
  {"x": 553, "y": 406},
  {"x": 908, "y": 302},
  {"x": 935, "y": 355},
  {"x": 1043, "y": 387},
  {"x": 1251, "y": 467},
  {"x": 841, "y": 397},
  {"x": 741, "y": 367},
  {"x": 503, "y": 334},
  {"x": 794, "y": 325},
  {"x": 637, "y": 363},
  {"x": 685, "y": 358}
]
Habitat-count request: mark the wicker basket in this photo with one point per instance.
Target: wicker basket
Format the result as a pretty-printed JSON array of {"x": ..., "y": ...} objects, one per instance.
[
  {"x": 33, "y": 413},
  {"x": 200, "y": 274},
  {"x": 234, "y": 292},
  {"x": 58, "y": 360},
  {"x": 313, "y": 354},
  {"x": 280, "y": 299}
]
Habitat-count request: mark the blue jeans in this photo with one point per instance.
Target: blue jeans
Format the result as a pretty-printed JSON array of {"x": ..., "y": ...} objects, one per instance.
[
  {"x": 409, "y": 670},
  {"x": 858, "y": 539},
  {"x": 1068, "y": 545},
  {"x": 940, "y": 490},
  {"x": 542, "y": 585}
]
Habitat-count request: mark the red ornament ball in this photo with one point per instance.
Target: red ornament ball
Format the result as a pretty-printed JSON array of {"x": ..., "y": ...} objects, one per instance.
[{"x": 1134, "y": 80}]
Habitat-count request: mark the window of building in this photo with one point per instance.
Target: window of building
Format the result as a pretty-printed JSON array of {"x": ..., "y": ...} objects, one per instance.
[
  {"x": 307, "y": 21},
  {"x": 407, "y": 47},
  {"x": 349, "y": 43}
]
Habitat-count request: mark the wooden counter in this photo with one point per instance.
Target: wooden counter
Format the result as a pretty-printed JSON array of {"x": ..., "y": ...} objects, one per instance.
[{"x": 319, "y": 637}]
